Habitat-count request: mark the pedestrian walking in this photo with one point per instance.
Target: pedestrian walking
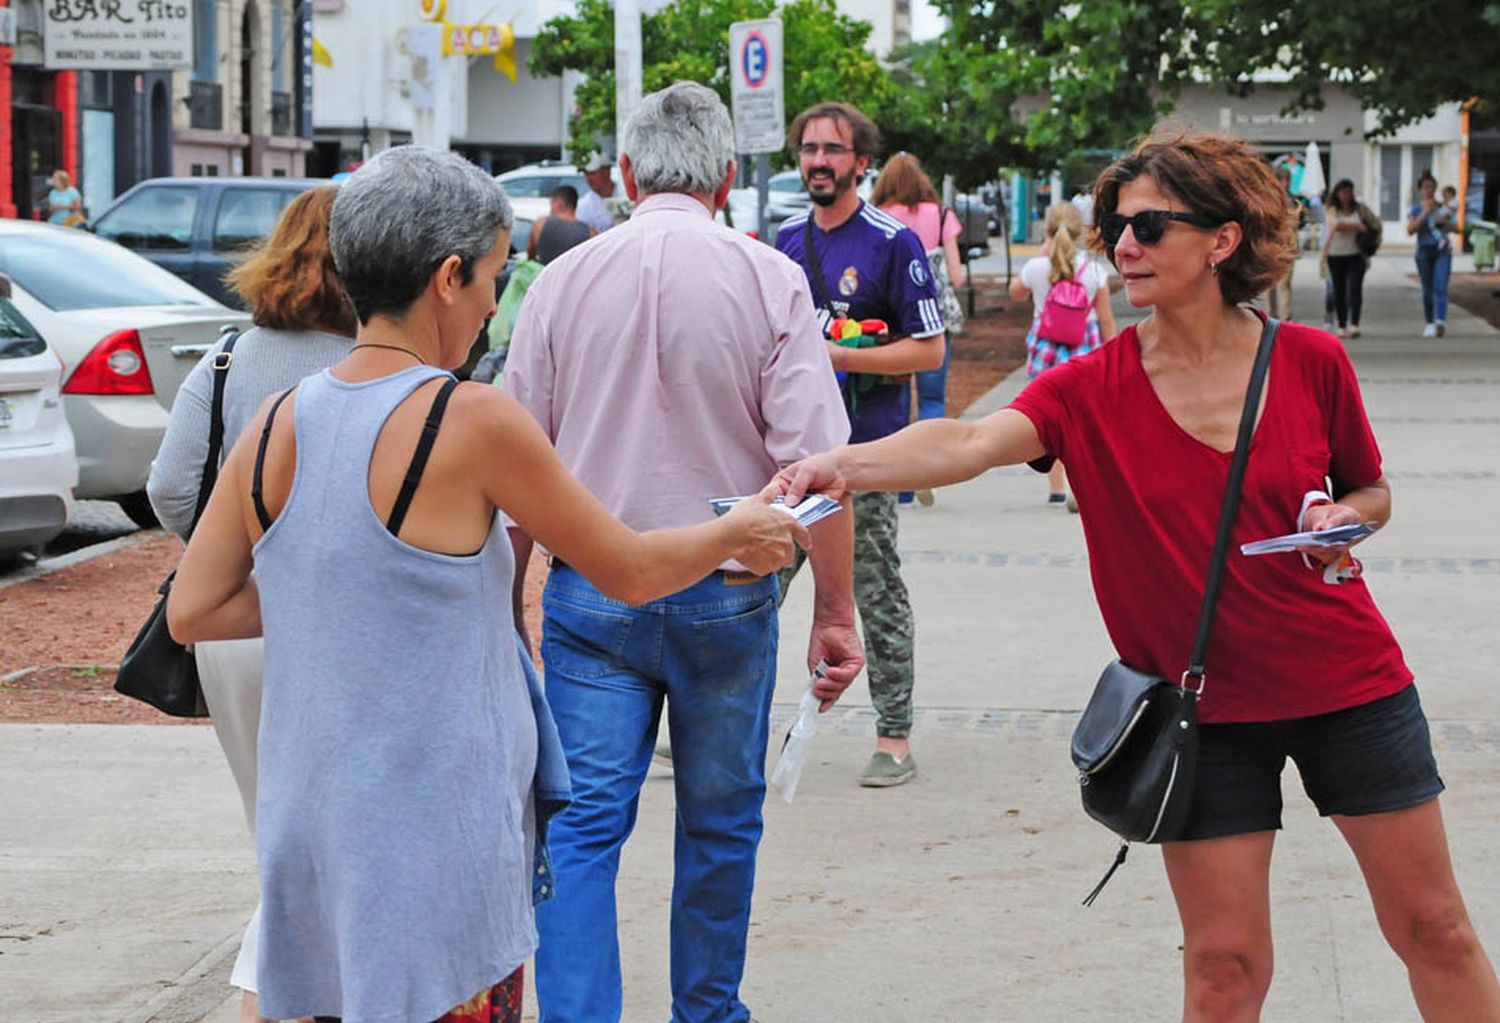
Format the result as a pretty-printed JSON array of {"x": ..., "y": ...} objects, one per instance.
[
  {"x": 599, "y": 174},
  {"x": 1431, "y": 221},
  {"x": 1279, "y": 297},
  {"x": 408, "y": 763},
  {"x": 303, "y": 324},
  {"x": 1071, "y": 314},
  {"x": 1348, "y": 220},
  {"x": 1197, "y": 225},
  {"x": 861, "y": 264},
  {"x": 689, "y": 367},
  {"x": 64, "y": 203},
  {"x": 905, "y": 192},
  {"x": 560, "y": 230}
]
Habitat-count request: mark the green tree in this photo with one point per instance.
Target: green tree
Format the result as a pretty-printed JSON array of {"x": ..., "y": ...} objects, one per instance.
[
  {"x": 1037, "y": 82},
  {"x": 689, "y": 39},
  {"x": 1402, "y": 60}
]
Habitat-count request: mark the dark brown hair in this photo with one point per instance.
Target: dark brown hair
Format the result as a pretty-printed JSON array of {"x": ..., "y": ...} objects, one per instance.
[
  {"x": 1333, "y": 197},
  {"x": 288, "y": 280},
  {"x": 1223, "y": 179},
  {"x": 903, "y": 182},
  {"x": 866, "y": 136}
]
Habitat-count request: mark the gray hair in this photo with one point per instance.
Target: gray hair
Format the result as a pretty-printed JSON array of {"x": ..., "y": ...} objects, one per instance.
[
  {"x": 400, "y": 215},
  {"x": 679, "y": 139}
]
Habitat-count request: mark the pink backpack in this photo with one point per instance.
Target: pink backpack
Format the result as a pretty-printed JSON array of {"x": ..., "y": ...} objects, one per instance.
[{"x": 1065, "y": 314}]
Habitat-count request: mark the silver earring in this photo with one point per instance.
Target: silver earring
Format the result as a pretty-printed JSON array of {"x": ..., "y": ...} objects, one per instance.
[{"x": 1213, "y": 268}]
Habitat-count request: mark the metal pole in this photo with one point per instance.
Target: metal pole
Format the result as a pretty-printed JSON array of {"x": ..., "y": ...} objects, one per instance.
[
  {"x": 762, "y": 194},
  {"x": 627, "y": 61}
]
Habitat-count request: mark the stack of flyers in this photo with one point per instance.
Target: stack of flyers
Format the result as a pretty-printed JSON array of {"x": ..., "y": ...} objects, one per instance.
[
  {"x": 1319, "y": 538},
  {"x": 812, "y": 508}
]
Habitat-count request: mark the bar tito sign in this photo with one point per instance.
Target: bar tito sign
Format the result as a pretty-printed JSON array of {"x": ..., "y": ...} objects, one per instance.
[{"x": 118, "y": 35}]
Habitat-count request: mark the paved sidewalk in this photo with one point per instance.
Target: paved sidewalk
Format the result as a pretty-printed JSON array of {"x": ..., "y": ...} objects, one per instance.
[{"x": 125, "y": 875}]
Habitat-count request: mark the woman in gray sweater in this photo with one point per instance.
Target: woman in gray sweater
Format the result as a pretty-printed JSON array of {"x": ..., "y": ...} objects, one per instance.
[{"x": 303, "y": 324}]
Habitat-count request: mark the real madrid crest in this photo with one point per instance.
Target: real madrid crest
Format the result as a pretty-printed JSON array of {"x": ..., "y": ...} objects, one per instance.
[{"x": 849, "y": 282}]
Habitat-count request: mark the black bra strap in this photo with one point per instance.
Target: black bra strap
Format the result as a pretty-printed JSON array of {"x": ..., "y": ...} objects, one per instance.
[
  {"x": 260, "y": 461},
  {"x": 419, "y": 458}
]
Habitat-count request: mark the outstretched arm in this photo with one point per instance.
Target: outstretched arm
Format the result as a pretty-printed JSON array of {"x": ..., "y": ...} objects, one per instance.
[
  {"x": 523, "y": 475},
  {"x": 931, "y": 453}
]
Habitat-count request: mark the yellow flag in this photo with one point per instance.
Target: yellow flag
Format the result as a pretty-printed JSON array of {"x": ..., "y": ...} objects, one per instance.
[
  {"x": 505, "y": 56},
  {"x": 320, "y": 54}
]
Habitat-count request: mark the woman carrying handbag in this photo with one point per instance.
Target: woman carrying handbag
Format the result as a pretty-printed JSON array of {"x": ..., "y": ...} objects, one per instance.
[{"x": 1301, "y": 663}]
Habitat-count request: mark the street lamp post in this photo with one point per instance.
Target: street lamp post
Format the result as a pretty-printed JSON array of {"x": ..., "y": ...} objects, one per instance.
[{"x": 627, "y": 62}]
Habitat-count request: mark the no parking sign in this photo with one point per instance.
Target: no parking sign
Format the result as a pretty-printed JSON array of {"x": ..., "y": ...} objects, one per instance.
[{"x": 755, "y": 59}]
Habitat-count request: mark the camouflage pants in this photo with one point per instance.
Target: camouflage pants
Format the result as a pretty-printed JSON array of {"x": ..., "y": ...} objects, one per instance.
[{"x": 885, "y": 610}]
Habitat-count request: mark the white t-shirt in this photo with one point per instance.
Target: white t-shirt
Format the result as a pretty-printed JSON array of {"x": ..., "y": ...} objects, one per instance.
[
  {"x": 1089, "y": 273},
  {"x": 591, "y": 211}
]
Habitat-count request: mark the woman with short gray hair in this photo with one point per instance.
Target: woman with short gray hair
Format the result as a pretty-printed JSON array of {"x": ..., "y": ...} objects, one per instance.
[{"x": 408, "y": 761}]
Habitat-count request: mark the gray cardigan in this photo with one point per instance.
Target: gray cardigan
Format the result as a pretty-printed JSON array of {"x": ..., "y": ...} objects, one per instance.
[{"x": 266, "y": 361}]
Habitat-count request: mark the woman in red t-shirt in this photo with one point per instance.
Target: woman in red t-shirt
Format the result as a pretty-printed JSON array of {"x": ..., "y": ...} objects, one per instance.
[{"x": 1299, "y": 667}]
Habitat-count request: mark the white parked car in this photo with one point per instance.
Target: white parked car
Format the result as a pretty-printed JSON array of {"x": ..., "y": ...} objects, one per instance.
[
  {"x": 127, "y": 333},
  {"x": 38, "y": 468}
]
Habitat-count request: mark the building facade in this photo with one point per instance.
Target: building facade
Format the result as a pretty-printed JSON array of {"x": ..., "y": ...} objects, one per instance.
[
  {"x": 377, "y": 79},
  {"x": 1384, "y": 170},
  {"x": 244, "y": 108}
]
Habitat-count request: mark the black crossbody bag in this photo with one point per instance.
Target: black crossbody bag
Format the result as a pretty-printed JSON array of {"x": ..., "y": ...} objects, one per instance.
[
  {"x": 1136, "y": 744},
  {"x": 157, "y": 669}
]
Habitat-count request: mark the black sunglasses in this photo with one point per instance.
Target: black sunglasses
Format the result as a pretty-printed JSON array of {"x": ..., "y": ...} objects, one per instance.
[{"x": 1148, "y": 226}]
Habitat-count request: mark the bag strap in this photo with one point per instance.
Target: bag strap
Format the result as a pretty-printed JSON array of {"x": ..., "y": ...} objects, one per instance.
[
  {"x": 820, "y": 283},
  {"x": 1231, "y": 503},
  {"x": 221, "y": 362}
]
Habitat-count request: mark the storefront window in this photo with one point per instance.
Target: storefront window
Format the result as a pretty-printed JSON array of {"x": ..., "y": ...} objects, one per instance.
[
  {"x": 1390, "y": 182},
  {"x": 205, "y": 40}
]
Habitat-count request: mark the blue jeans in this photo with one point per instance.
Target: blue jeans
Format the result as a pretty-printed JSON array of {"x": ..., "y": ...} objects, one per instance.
[
  {"x": 1434, "y": 266},
  {"x": 710, "y": 650},
  {"x": 932, "y": 388}
]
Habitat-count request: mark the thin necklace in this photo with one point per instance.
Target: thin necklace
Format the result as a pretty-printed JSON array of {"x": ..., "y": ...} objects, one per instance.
[{"x": 393, "y": 348}]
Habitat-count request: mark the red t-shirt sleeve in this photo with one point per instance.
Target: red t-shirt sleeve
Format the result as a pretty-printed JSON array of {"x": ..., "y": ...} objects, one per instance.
[
  {"x": 1353, "y": 455},
  {"x": 1044, "y": 402}
]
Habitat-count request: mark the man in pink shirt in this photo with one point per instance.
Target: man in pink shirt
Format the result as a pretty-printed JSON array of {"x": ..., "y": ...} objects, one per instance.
[{"x": 672, "y": 360}]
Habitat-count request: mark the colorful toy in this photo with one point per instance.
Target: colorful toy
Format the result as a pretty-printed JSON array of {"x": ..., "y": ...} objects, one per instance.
[{"x": 849, "y": 333}]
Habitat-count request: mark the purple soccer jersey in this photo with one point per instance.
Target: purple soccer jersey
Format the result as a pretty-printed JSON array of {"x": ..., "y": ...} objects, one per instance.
[{"x": 873, "y": 268}]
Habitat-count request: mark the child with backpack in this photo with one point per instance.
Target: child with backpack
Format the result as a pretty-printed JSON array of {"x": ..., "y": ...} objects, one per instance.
[{"x": 1070, "y": 293}]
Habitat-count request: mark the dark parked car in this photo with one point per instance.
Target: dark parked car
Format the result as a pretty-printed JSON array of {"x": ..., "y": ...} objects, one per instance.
[{"x": 196, "y": 227}]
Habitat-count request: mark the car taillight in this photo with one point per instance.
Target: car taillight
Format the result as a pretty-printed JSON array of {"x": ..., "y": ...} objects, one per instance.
[{"x": 116, "y": 365}]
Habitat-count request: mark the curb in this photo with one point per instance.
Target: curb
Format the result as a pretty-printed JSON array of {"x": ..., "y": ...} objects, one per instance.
[
  {"x": 49, "y": 565},
  {"x": 200, "y": 989}
]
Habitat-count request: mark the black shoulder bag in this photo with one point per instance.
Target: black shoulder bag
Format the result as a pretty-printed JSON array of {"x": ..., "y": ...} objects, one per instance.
[
  {"x": 157, "y": 669},
  {"x": 1136, "y": 744}
]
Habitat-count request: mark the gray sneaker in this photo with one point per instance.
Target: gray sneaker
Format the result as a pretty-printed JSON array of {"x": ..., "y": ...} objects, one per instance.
[{"x": 885, "y": 771}]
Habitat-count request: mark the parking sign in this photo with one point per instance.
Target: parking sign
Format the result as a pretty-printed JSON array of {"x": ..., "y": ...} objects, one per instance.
[{"x": 755, "y": 58}]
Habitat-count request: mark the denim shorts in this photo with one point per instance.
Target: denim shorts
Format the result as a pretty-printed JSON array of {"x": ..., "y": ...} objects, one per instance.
[{"x": 1372, "y": 758}]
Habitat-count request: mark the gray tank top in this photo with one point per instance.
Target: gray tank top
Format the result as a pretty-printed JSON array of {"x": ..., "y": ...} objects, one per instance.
[
  {"x": 397, "y": 743},
  {"x": 558, "y": 236}
]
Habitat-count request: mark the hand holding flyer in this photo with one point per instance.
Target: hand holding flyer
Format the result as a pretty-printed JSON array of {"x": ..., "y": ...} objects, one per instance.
[
  {"x": 812, "y": 508},
  {"x": 1317, "y": 538}
]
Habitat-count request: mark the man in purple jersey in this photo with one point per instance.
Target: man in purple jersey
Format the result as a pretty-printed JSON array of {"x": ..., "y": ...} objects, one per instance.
[{"x": 864, "y": 264}]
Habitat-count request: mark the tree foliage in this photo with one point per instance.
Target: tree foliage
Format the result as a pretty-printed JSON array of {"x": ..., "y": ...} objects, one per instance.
[
  {"x": 689, "y": 39},
  {"x": 1034, "y": 84}
]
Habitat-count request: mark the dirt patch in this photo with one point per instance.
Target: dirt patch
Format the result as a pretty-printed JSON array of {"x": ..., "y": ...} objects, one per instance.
[
  {"x": 76, "y": 694},
  {"x": 992, "y": 345},
  {"x": 1476, "y": 293},
  {"x": 86, "y": 614},
  {"x": 72, "y": 626}
]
